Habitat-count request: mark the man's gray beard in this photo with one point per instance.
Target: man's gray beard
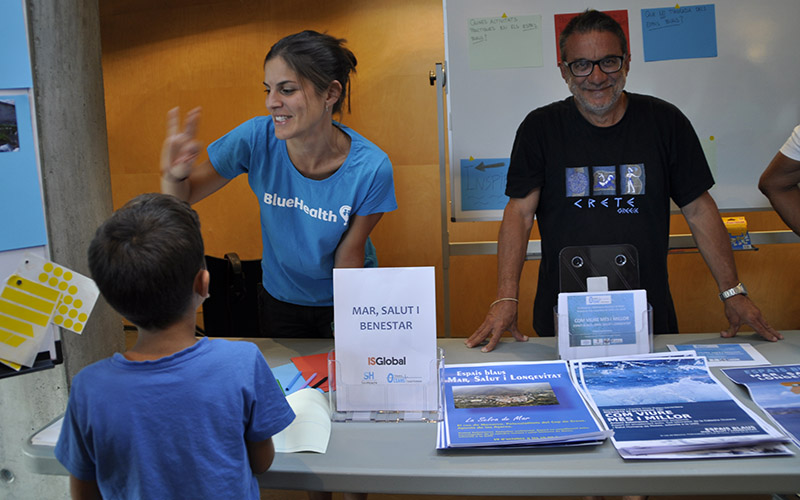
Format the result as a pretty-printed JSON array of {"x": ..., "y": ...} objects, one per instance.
[{"x": 619, "y": 86}]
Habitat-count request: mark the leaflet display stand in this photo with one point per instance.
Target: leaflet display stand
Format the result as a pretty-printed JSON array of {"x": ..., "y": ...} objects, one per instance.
[
  {"x": 603, "y": 273},
  {"x": 387, "y": 402},
  {"x": 604, "y": 346}
]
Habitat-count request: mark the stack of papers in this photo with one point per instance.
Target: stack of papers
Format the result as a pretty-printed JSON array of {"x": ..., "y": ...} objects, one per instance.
[
  {"x": 49, "y": 435},
  {"x": 672, "y": 407},
  {"x": 514, "y": 404},
  {"x": 724, "y": 354}
]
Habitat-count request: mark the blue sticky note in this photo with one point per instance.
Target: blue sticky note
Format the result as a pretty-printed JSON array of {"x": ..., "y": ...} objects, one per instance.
[
  {"x": 22, "y": 224},
  {"x": 483, "y": 183},
  {"x": 685, "y": 32},
  {"x": 15, "y": 65}
]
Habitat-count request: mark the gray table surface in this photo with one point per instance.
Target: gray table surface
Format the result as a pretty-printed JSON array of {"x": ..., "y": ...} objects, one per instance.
[{"x": 402, "y": 457}]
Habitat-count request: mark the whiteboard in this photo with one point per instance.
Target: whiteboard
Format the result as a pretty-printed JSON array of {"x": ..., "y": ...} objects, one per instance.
[{"x": 743, "y": 103}]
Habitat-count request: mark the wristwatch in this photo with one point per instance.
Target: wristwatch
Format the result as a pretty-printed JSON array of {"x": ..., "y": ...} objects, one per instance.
[{"x": 730, "y": 292}]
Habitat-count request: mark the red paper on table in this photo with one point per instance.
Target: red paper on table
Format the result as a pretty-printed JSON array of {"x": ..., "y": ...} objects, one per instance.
[{"x": 309, "y": 365}]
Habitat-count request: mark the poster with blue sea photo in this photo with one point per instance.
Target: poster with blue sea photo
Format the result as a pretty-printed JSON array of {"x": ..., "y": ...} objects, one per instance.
[
  {"x": 522, "y": 403},
  {"x": 776, "y": 390},
  {"x": 662, "y": 405}
]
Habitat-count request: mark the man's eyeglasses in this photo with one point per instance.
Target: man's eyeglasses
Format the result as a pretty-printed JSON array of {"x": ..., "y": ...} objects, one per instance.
[{"x": 584, "y": 67}]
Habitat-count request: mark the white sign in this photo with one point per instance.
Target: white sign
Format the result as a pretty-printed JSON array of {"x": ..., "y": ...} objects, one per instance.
[{"x": 385, "y": 338}]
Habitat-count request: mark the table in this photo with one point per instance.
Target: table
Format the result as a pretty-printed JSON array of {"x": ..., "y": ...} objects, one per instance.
[{"x": 402, "y": 457}]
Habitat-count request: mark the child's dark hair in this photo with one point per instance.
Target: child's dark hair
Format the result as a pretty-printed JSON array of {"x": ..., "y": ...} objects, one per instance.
[
  {"x": 318, "y": 58},
  {"x": 588, "y": 21},
  {"x": 145, "y": 258}
]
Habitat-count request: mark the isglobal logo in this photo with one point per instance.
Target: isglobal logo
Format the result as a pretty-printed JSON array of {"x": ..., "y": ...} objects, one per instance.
[{"x": 386, "y": 361}]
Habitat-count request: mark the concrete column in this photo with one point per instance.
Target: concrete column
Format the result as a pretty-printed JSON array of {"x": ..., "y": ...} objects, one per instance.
[{"x": 70, "y": 113}]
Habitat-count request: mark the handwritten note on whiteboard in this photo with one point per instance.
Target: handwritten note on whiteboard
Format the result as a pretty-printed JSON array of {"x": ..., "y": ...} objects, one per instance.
[
  {"x": 483, "y": 183},
  {"x": 682, "y": 32},
  {"x": 505, "y": 42}
]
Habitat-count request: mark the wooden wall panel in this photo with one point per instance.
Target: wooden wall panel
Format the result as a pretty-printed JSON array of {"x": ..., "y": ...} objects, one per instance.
[{"x": 188, "y": 53}]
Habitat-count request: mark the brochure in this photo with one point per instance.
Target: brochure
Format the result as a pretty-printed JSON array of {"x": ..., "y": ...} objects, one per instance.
[
  {"x": 776, "y": 390},
  {"x": 724, "y": 354},
  {"x": 595, "y": 324},
  {"x": 513, "y": 404},
  {"x": 658, "y": 407}
]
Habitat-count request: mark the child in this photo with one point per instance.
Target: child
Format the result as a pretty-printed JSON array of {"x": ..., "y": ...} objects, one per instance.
[{"x": 173, "y": 417}]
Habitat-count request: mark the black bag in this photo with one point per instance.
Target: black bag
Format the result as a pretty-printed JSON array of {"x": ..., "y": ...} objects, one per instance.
[{"x": 231, "y": 310}]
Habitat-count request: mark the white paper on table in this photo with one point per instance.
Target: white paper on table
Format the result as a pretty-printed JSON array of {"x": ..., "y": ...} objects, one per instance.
[{"x": 311, "y": 428}]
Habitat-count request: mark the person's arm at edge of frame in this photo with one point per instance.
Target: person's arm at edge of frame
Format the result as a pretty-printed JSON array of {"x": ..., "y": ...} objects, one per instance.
[
  {"x": 779, "y": 184},
  {"x": 180, "y": 177},
  {"x": 261, "y": 454},
  {"x": 713, "y": 241},
  {"x": 512, "y": 245},
  {"x": 350, "y": 252},
  {"x": 83, "y": 490}
]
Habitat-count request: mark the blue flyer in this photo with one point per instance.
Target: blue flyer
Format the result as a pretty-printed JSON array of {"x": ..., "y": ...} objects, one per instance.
[
  {"x": 601, "y": 319},
  {"x": 776, "y": 390},
  {"x": 603, "y": 323},
  {"x": 724, "y": 354},
  {"x": 657, "y": 405},
  {"x": 525, "y": 403}
]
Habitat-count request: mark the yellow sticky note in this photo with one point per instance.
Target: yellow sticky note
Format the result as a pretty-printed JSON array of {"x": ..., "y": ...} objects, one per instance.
[
  {"x": 14, "y": 366},
  {"x": 38, "y": 294},
  {"x": 77, "y": 294},
  {"x": 25, "y": 311}
]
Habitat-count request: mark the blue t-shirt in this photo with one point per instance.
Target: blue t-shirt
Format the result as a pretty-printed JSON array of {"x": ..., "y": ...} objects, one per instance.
[
  {"x": 302, "y": 219},
  {"x": 174, "y": 427}
]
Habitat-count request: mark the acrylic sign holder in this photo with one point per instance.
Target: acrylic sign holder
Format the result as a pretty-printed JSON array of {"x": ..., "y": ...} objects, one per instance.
[{"x": 390, "y": 402}]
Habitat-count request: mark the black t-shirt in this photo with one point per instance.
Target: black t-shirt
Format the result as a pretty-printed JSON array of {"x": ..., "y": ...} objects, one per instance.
[{"x": 608, "y": 185}]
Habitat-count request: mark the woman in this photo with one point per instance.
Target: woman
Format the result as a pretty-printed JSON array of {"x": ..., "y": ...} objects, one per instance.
[{"x": 321, "y": 186}]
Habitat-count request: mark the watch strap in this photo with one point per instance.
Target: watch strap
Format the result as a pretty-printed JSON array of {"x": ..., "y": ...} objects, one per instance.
[{"x": 739, "y": 289}]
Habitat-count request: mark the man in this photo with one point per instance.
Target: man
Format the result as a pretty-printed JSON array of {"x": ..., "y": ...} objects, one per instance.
[
  {"x": 779, "y": 181},
  {"x": 650, "y": 148}
]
